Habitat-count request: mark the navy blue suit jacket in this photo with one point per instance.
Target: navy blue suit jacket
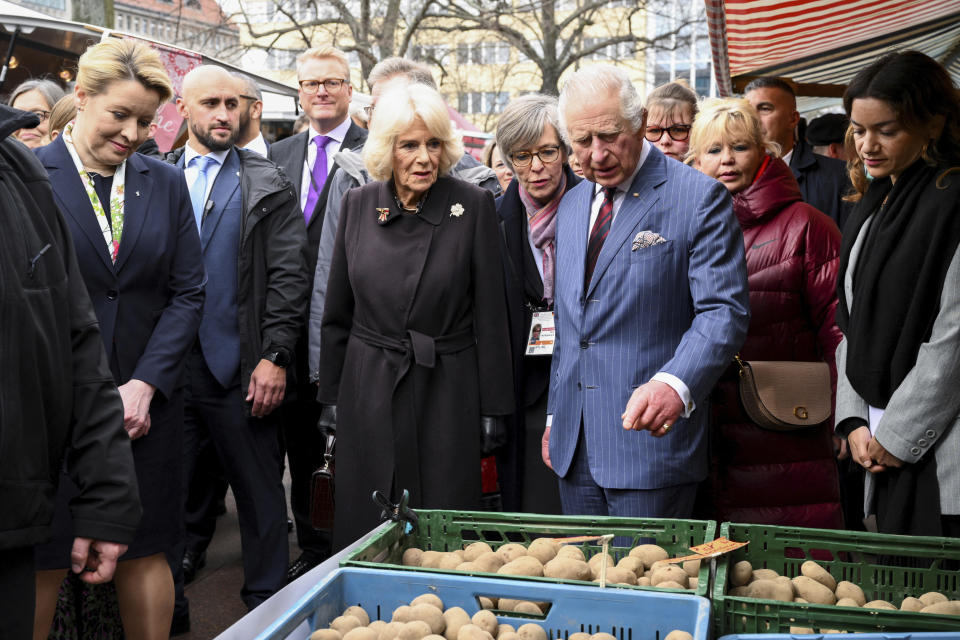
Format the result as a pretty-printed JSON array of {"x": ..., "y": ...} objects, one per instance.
[
  {"x": 680, "y": 307},
  {"x": 149, "y": 302}
]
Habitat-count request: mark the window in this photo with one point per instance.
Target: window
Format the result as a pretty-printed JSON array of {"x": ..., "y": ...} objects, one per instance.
[
  {"x": 613, "y": 51},
  {"x": 494, "y": 53},
  {"x": 495, "y": 101},
  {"x": 702, "y": 86},
  {"x": 279, "y": 60}
]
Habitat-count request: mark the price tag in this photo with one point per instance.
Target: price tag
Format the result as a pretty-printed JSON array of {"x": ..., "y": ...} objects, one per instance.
[{"x": 712, "y": 549}]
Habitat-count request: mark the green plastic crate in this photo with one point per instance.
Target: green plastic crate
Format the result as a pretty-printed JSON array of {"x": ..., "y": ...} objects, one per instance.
[
  {"x": 449, "y": 530},
  {"x": 861, "y": 558}
]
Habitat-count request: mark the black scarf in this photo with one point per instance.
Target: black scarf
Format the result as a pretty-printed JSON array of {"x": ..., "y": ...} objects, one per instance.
[{"x": 899, "y": 275}]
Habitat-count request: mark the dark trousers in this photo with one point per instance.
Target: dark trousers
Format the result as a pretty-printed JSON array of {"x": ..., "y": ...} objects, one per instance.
[
  {"x": 249, "y": 452},
  {"x": 305, "y": 449},
  {"x": 18, "y": 593},
  {"x": 207, "y": 488}
]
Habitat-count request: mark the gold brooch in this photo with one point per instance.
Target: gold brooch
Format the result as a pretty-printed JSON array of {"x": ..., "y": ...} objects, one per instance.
[{"x": 384, "y": 213}]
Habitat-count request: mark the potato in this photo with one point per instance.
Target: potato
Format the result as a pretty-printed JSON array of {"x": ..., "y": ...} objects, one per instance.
[
  {"x": 508, "y": 604},
  {"x": 950, "y": 608},
  {"x": 811, "y": 590},
  {"x": 579, "y": 635},
  {"x": 428, "y": 598},
  {"x": 616, "y": 575},
  {"x": 649, "y": 553},
  {"x": 692, "y": 567},
  {"x": 450, "y": 561},
  {"x": 471, "y": 567},
  {"x": 401, "y": 614},
  {"x": 633, "y": 564},
  {"x": 568, "y": 569},
  {"x": 531, "y": 631},
  {"x": 595, "y": 561},
  {"x": 741, "y": 573},
  {"x": 523, "y": 566},
  {"x": 669, "y": 572},
  {"x": 813, "y": 570},
  {"x": 770, "y": 590},
  {"x": 932, "y": 597},
  {"x": 785, "y": 580},
  {"x": 879, "y": 604},
  {"x": 693, "y": 583},
  {"x": 677, "y": 634},
  {"x": 643, "y": 581},
  {"x": 911, "y": 604},
  {"x": 670, "y": 584},
  {"x": 412, "y": 557},
  {"x": 390, "y": 631},
  {"x": 847, "y": 602},
  {"x": 739, "y": 592},
  {"x": 764, "y": 574},
  {"x": 343, "y": 624},
  {"x": 602, "y": 636},
  {"x": 544, "y": 550},
  {"x": 430, "y": 559},
  {"x": 474, "y": 550},
  {"x": 801, "y": 631},
  {"x": 414, "y": 630},
  {"x": 486, "y": 621},
  {"x": 377, "y": 625},
  {"x": 511, "y": 551},
  {"x": 527, "y": 607},
  {"x": 360, "y": 633},
  {"x": 509, "y": 635},
  {"x": 359, "y": 613},
  {"x": 455, "y": 617},
  {"x": 847, "y": 589},
  {"x": 429, "y": 614},
  {"x": 473, "y": 632},
  {"x": 325, "y": 634},
  {"x": 489, "y": 561},
  {"x": 571, "y": 551},
  {"x": 801, "y": 600},
  {"x": 505, "y": 628},
  {"x": 433, "y": 636},
  {"x": 487, "y": 603}
]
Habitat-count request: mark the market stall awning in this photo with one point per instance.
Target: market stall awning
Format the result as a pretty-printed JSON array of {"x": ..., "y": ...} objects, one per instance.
[{"x": 821, "y": 44}]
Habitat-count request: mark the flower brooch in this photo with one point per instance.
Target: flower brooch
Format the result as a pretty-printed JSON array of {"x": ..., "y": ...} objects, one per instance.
[
  {"x": 456, "y": 210},
  {"x": 384, "y": 213}
]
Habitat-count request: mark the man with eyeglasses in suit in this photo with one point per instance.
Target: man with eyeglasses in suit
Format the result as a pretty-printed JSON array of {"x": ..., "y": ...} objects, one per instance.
[{"x": 307, "y": 159}]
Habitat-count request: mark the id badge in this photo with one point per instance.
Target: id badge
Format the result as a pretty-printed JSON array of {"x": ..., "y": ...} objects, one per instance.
[{"x": 542, "y": 334}]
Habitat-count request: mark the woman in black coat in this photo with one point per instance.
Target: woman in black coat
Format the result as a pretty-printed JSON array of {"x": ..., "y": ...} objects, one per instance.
[
  {"x": 528, "y": 136},
  {"x": 414, "y": 338}
]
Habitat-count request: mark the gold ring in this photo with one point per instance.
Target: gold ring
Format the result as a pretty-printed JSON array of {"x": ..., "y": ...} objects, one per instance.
[{"x": 666, "y": 427}]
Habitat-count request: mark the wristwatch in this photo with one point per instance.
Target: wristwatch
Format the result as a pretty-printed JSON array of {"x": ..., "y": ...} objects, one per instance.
[{"x": 280, "y": 358}]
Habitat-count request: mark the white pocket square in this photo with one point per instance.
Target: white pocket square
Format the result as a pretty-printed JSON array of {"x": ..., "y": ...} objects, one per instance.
[{"x": 646, "y": 239}]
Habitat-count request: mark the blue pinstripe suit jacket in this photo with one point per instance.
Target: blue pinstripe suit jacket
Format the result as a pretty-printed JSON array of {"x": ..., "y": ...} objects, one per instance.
[{"x": 681, "y": 307}]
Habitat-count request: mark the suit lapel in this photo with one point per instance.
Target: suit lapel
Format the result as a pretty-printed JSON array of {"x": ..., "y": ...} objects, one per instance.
[
  {"x": 72, "y": 197},
  {"x": 637, "y": 203},
  {"x": 137, "y": 188},
  {"x": 580, "y": 219},
  {"x": 224, "y": 186}
]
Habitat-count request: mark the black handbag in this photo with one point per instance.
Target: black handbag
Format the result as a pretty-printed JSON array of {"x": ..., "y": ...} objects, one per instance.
[{"x": 321, "y": 489}]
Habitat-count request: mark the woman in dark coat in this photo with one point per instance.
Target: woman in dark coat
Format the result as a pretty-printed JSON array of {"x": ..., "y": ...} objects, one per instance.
[
  {"x": 414, "y": 336},
  {"x": 792, "y": 250},
  {"x": 528, "y": 136},
  {"x": 139, "y": 252}
]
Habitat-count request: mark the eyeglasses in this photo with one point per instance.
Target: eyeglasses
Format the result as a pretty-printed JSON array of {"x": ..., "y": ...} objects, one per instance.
[
  {"x": 546, "y": 155},
  {"x": 677, "y": 132},
  {"x": 332, "y": 85},
  {"x": 252, "y": 98},
  {"x": 40, "y": 113}
]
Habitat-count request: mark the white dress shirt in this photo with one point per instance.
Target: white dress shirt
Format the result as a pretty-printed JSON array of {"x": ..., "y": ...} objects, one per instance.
[
  {"x": 257, "y": 145},
  {"x": 213, "y": 171},
  {"x": 337, "y": 134}
]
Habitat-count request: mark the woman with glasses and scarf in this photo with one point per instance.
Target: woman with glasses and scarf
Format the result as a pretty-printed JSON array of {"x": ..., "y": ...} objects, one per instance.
[{"x": 529, "y": 139}]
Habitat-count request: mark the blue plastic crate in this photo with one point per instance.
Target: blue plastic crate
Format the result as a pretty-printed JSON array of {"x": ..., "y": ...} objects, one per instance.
[
  {"x": 627, "y": 614},
  {"x": 926, "y": 635}
]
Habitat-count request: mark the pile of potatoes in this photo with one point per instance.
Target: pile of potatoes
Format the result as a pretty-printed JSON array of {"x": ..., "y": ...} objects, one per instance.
[
  {"x": 644, "y": 566},
  {"x": 425, "y": 618},
  {"x": 815, "y": 585}
]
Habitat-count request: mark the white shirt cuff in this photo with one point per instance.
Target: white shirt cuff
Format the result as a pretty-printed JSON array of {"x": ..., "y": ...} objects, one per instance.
[
  {"x": 677, "y": 385},
  {"x": 549, "y": 420}
]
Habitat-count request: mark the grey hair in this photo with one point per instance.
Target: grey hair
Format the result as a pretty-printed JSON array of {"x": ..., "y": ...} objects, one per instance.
[
  {"x": 49, "y": 89},
  {"x": 417, "y": 72},
  {"x": 524, "y": 121},
  {"x": 249, "y": 85},
  {"x": 586, "y": 84}
]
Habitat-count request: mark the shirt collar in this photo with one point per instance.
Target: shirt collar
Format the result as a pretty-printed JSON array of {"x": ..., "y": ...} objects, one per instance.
[
  {"x": 338, "y": 133},
  {"x": 190, "y": 153},
  {"x": 624, "y": 186},
  {"x": 257, "y": 145}
]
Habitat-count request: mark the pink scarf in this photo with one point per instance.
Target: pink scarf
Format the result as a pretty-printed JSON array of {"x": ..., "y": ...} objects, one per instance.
[{"x": 543, "y": 227}]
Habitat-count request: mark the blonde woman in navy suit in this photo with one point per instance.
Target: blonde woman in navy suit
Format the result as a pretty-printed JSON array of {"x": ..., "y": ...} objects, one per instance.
[{"x": 139, "y": 252}]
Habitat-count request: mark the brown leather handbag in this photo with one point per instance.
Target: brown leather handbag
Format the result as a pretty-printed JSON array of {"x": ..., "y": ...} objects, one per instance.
[{"x": 785, "y": 396}]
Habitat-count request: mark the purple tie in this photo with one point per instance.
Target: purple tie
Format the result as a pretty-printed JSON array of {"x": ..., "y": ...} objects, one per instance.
[{"x": 317, "y": 177}]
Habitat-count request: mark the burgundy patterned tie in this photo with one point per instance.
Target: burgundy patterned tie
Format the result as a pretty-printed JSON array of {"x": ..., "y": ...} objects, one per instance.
[{"x": 599, "y": 233}]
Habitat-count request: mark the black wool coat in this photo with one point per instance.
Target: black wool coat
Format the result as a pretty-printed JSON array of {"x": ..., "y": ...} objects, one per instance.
[{"x": 416, "y": 349}]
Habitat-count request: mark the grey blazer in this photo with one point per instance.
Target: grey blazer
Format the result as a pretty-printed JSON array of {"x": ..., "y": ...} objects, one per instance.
[{"x": 923, "y": 414}]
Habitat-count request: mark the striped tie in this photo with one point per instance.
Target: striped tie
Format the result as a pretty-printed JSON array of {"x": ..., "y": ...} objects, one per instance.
[{"x": 599, "y": 232}]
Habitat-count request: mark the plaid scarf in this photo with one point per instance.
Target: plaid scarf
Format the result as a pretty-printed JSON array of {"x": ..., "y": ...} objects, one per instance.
[{"x": 543, "y": 230}]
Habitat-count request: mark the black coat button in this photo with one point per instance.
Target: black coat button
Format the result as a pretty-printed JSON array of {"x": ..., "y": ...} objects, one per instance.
[
  {"x": 584, "y": 344},
  {"x": 112, "y": 294},
  {"x": 579, "y": 386}
]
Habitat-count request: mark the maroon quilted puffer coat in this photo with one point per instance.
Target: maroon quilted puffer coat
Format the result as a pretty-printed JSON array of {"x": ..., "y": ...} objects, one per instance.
[{"x": 792, "y": 249}]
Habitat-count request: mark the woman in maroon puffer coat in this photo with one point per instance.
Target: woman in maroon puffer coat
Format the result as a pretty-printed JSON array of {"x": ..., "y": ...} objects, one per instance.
[{"x": 792, "y": 250}]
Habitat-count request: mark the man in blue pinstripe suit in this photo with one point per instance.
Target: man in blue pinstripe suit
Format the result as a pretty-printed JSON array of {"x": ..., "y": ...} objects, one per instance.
[{"x": 651, "y": 306}]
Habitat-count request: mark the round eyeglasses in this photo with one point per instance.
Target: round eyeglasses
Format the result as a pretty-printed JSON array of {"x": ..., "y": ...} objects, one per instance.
[
  {"x": 332, "y": 85},
  {"x": 546, "y": 155},
  {"x": 677, "y": 132}
]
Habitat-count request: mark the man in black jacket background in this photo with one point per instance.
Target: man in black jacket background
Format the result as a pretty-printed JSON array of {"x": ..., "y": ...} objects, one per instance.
[{"x": 59, "y": 406}]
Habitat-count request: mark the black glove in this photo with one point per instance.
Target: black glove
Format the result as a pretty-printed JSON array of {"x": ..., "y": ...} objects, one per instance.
[
  {"x": 493, "y": 434},
  {"x": 327, "y": 424}
]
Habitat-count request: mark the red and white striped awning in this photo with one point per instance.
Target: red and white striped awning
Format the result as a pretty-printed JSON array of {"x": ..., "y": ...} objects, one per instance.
[{"x": 819, "y": 43}]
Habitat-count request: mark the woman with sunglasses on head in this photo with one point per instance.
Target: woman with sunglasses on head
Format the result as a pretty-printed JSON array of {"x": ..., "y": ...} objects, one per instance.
[
  {"x": 671, "y": 109},
  {"x": 899, "y": 291},
  {"x": 36, "y": 96},
  {"x": 760, "y": 475}
]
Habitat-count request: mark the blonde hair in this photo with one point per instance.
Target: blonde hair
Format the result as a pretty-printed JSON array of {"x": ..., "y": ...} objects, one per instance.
[
  {"x": 397, "y": 110},
  {"x": 117, "y": 60},
  {"x": 325, "y": 52},
  {"x": 62, "y": 112},
  {"x": 727, "y": 119}
]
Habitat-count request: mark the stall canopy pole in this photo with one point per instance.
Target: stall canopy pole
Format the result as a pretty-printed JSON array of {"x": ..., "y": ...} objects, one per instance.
[{"x": 6, "y": 60}]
